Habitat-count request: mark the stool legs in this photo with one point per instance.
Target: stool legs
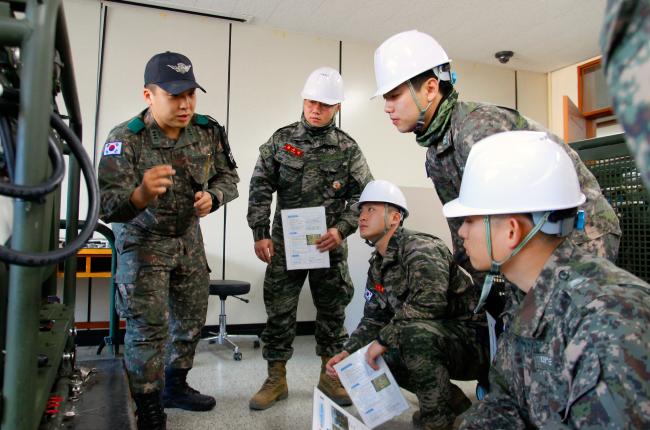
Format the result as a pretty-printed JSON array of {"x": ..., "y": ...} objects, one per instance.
[{"x": 222, "y": 338}]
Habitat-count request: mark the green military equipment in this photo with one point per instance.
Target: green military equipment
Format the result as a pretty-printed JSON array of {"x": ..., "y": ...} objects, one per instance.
[
  {"x": 622, "y": 184},
  {"x": 39, "y": 330}
]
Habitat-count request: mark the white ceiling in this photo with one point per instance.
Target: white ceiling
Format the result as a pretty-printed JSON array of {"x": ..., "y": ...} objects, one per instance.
[{"x": 545, "y": 35}]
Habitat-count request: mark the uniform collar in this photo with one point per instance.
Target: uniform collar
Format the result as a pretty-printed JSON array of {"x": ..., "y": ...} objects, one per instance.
[
  {"x": 440, "y": 122},
  {"x": 187, "y": 136},
  {"x": 557, "y": 271},
  {"x": 392, "y": 248},
  {"x": 316, "y": 135}
]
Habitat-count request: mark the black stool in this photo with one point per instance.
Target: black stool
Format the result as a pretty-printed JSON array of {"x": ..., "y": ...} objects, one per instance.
[{"x": 223, "y": 289}]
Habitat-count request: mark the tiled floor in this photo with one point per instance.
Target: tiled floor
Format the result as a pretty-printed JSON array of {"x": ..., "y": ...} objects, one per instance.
[{"x": 234, "y": 382}]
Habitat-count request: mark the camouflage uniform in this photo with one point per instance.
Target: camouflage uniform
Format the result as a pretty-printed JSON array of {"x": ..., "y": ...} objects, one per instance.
[
  {"x": 307, "y": 166},
  {"x": 625, "y": 43},
  {"x": 458, "y": 125},
  {"x": 162, "y": 274},
  {"x": 419, "y": 304},
  {"x": 574, "y": 353}
]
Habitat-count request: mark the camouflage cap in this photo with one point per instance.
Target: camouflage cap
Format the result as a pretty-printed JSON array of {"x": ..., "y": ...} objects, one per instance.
[{"x": 172, "y": 72}]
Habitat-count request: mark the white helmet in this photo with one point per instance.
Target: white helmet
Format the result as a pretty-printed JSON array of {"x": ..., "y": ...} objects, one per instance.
[
  {"x": 516, "y": 172},
  {"x": 406, "y": 55},
  {"x": 383, "y": 192},
  {"x": 324, "y": 85}
]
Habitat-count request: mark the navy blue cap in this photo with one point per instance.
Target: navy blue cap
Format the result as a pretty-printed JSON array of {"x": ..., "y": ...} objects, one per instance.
[{"x": 171, "y": 71}]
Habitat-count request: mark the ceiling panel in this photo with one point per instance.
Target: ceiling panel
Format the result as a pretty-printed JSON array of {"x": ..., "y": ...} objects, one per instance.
[{"x": 545, "y": 35}]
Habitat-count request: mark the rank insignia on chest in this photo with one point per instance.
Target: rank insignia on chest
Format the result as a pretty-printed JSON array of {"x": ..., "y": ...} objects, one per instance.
[
  {"x": 368, "y": 295},
  {"x": 292, "y": 149},
  {"x": 379, "y": 288},
  {"x": 113, "y": 148}
]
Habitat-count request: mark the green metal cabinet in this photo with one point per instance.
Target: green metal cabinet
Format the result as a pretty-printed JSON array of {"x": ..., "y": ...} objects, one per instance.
[{"x": 608, "y": 158}]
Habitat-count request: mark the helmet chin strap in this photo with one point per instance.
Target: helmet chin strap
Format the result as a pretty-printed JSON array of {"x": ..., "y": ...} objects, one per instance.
[
  {"x": 386, "y": 229},
  {"x": 420, "y": 124},
  {"x": 495, "y": 266}
]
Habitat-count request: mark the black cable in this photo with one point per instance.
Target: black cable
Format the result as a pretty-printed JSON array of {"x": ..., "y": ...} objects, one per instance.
[
  {"x": 7, "y": 146},
  {"x": 35, "y": 192},
  {"x": 225, "y": 211},
  {"x": 9, "y": 106},
  {"x": 340, "y": 72},
  {"x": 516, "y": 93},
  {"x": 33, "y": 259}
]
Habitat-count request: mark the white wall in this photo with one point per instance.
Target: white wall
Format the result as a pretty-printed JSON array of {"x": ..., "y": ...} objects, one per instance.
[
  {"x": 83, "y": 18},
  {"x": 532, "y": 95},
  {"x": 268, "y": 69},
  {"x": 480, "y": 82}
]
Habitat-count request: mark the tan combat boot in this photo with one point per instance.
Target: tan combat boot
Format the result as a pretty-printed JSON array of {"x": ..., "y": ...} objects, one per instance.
[
  {"x": 332, "y": 387},
  {"x": 274, "y": 388}
]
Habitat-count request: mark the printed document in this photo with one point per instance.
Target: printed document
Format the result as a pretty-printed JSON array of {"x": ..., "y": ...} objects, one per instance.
[
  {"x": 328, "y": 415},
  {"x": 375, "y": 393},
  {"x": 302, "y": 228}
]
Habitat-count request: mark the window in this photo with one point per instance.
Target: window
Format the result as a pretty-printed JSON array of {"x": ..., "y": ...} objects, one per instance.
[{"x": 593, "y": 95}]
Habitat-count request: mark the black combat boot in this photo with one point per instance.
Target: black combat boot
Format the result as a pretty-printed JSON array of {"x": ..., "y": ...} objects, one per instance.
[
  {"x": 149, "y": 411},
  {"x": 178, "y": 394}
]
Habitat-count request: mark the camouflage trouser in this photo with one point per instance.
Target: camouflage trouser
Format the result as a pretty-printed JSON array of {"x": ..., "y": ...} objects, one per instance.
[
  {"x": 162, "y": 292},
  {"x": 331, "y": 291},
  {"x": 430, "y": 353}
]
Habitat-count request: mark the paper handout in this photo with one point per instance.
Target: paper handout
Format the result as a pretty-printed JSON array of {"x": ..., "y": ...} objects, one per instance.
[
  {"x": 375, "y": 393},
  {"x": 302, "y": 228},
  {"x": 328, "y": 415}
]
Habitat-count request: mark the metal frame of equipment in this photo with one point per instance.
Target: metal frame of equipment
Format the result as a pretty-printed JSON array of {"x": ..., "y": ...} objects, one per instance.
[
  {"x": 609, "y": 159},
  {"x": 39, "y": 350}
]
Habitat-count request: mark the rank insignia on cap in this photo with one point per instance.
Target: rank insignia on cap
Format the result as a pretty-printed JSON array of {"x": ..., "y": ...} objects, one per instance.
[
  {"x": 379, "y": 288},
  {"x": 181, "y": 68},
  {"x": 368, "y": 295},
  {"x": 113, "y": 148},
  {"x": 336, "y": 185},
  {"x": 292, "y": 149}
]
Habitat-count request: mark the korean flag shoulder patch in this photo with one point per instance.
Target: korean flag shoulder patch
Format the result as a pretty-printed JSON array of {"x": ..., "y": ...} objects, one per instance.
[
  {"x": 113, "y": 148},
  {"x": 368, "y": 295}
]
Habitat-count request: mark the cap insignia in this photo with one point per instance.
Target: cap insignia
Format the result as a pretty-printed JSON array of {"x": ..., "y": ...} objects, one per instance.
[{"x": 180, "y": 67}]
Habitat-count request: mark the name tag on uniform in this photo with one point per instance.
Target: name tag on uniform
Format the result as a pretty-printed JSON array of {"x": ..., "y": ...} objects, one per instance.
[
  {"x": 543, "y": 361},
  {"x": 113, "y": 148}
]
